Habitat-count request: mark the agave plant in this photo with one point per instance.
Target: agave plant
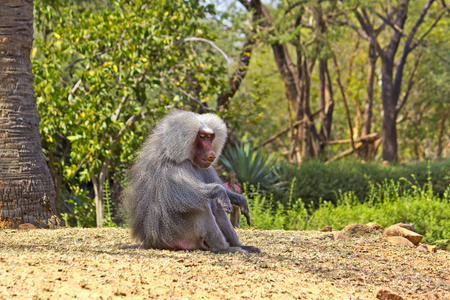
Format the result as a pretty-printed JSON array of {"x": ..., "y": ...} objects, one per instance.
[{"x": 252, "y": 167}]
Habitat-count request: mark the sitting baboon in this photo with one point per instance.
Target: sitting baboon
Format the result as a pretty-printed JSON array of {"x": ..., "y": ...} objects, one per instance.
[{"x": 175, "y": 198}]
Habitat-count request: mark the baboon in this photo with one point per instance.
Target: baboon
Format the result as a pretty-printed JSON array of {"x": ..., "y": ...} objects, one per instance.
[{"x": 174, "y": 197}]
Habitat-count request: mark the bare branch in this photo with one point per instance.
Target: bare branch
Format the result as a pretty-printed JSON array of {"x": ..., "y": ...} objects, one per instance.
[
  {"x": 410, "y": 82},
  {"x": 115, "y": 117},
  {"x": 365, "y": 139},
  {"x": 72, "y": 64},
  {"x": 344, "y": 98},
  {"x": 72, "y": 92},
  {"x": 196, "y": 39},
  {"x": 429, "y": 29},
  {"x": 407, "y": 49},
  {"x": 295, "y": 124},
  {"x": 345, "y": 153},
  {"x": 131, "y": 120}
]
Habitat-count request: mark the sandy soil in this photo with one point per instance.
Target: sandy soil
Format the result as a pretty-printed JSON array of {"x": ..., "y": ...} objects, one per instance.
[{"x": 88, "y": 264}]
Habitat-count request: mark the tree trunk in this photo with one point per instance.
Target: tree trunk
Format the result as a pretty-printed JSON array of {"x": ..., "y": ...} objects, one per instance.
[
  {"x": 27, "y": 193},
  {"x": 441, "y": 134},
  {"x": 389, "y": 125},
  {"x": 99, "y": 187},
  {"x": 326, "y": 102},
  {"x": 368, "y": 108}
]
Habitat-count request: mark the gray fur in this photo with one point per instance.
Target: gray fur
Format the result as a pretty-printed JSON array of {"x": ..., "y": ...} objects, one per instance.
[{"x": 170, "y": 201}]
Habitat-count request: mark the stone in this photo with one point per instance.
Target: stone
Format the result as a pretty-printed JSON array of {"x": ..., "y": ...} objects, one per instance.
[
  {"x": 327, "y": 228},
  {"x": 423, "y": 248},
  {"x": 432, "y": 248},
  {"x": 375, "y": 226},
  {"x": 427, "y": 248},
  {"x": 385, "y": 294},
  {"x": 357, "y": 230},
  {"x": 406, "y": 226},
  {"x": 339, "y": 236},
  {"x": 398, "y": 240},
  {"x": 26, "y": 226},
  {"x": 396, "y": 230}
]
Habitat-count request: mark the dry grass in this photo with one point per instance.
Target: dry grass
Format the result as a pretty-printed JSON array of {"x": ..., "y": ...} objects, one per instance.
[{"x": 88, "y": 264}]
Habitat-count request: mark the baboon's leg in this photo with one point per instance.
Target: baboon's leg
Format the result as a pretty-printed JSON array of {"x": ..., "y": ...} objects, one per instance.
[
  {"x": 225, "y": 226},
  {"x": 213, "y": 236},
  {"x": 228, "y": 230}
]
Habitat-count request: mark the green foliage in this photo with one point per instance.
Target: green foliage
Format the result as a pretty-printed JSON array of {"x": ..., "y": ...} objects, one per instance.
[
  {"x": 105, "y": 73},
  {"x": 81, "y": 208},
  {"x": 317, "y": 182},
  {"x": 253, "y": 167},
  {"x": 386, "y": 204},
  {"x": 268, "y": 215},
  {"x": 108, "y": 207},
  {"x": 429, "y": 213}
]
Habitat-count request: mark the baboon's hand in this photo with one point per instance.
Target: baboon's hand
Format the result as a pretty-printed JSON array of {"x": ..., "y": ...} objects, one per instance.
[
  {"x": 226, "y": 204},
  {"x": 243, "y": 205},
  {"x": 247, "y": 215}
]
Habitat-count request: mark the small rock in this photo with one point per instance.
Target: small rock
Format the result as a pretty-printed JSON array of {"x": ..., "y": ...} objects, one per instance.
[
  {"x": 375, "y": 226},
  {"x": 432, "y": 248},
  {"x": 327, "y": 228},
  {"x": 427, "y": 248},
  {"x": 423, "y": 248},
  {"x": 406, "y": 226},
  {"x": 339, "y": 236},
  {"x": 397, "y": 230},
  {"x": 357, "y": 230},
  {"x": 398, "y": 240},
  {"x": 385, "y": 294},
  {"x": 26, "y": 226}
]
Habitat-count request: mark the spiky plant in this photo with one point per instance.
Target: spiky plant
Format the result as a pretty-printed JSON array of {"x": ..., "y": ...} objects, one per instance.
[{"x": 252, "y": 166}]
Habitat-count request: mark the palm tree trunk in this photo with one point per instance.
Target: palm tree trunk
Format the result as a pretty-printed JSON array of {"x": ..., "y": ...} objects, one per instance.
[{"x": 27, "y": 193}]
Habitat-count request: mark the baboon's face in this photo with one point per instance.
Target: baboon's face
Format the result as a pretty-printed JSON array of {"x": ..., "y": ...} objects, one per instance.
[{"x": 202, "y": 154}]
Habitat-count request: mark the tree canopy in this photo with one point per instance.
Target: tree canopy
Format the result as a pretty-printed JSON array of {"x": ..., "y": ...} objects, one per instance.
[{"x": 304, "y": 79}]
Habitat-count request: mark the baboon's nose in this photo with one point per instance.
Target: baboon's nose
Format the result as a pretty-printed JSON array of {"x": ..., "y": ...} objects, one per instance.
[{"x": 211, "y": 157}]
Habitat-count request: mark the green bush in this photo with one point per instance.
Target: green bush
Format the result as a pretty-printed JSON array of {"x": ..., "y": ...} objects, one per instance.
[
  {"x": 429, "y": 213},
  {"x": 317, "y": 181},
  {"x": 385, "y": 204}
]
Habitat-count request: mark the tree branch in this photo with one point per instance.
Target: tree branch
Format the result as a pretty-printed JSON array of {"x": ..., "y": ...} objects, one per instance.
[
  {"x": 295, "y": 124},
  {"x": 365, "y": 139},
  {"x": 344, "y": 98},
  {"x": 410, "y": 82},
  {"x": 407, "y": 49},
  {"x": 196, "y": 39},
  {"x": 446, "y": 9}
]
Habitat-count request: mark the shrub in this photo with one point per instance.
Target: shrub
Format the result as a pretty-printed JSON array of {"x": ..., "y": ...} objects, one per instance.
[
  {"x": 385, "y": 204},
  {"x": 317, "y": 182}
]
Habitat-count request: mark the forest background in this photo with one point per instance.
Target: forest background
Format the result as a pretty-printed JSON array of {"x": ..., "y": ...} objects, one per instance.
[{"x": 337, "y": 110}]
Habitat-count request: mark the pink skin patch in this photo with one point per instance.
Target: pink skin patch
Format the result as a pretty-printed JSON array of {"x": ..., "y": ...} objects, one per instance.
[
  {"x": 237, "y": 188},
  {"x": 188, "y": 245}
]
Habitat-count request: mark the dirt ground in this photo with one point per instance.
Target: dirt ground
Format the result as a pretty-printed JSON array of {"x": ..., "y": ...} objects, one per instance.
[{"x": 88, "y": 264}]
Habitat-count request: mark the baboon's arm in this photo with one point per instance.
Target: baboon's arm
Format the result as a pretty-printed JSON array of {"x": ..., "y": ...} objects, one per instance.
[
  {"x": 241, "y": 201},
  {"x": 192, "y": 193}
]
